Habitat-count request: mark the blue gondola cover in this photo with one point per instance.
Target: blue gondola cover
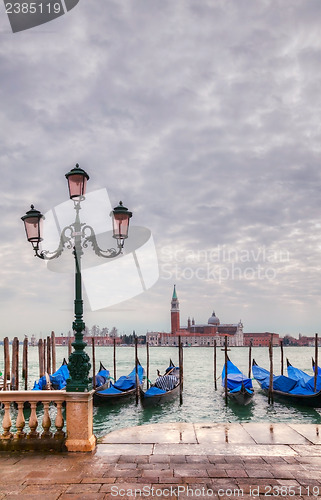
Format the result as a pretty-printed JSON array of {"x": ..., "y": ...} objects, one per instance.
[
  {"x": 285, "y": 384},
  {"x": 125, "y": 383},
  {"x": 235, "y": 379},
  {"x": 57, "y": 379}
]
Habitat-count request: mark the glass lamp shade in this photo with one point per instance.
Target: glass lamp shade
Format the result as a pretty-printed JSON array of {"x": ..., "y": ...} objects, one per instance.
[
  {"x": 121, "y": 217},
  {"x": 77, "y": 181},
  {"x": 33, "y": 225}
]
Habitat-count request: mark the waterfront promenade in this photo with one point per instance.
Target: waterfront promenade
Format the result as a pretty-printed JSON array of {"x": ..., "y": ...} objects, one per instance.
[{"x": 179, "y": 460}]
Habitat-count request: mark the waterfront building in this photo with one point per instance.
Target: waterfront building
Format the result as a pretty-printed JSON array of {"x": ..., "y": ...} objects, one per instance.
[
  {"x": 205, "y": 334},
  {"x": 104, "y": 340},
  {"x": 196, "y": 334},
  {"x": 261, "y": 339}
]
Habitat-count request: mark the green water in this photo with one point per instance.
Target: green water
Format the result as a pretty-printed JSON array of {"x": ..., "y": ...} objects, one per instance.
[{"x": 201, "y": 403}]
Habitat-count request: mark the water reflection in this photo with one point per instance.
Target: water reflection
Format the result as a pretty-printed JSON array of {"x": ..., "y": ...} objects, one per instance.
[{"x": 241, "y": 413}]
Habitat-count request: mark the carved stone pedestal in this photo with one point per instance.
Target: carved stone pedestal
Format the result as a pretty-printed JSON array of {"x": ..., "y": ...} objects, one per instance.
[{"x": 79, "y": 420}]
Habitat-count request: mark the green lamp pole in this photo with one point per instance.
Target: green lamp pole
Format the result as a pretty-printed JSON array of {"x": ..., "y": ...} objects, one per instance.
[{"x": 77, "y": 236}]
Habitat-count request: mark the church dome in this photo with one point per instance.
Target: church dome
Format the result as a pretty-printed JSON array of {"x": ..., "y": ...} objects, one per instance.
[{"x": 213, "y": 320}]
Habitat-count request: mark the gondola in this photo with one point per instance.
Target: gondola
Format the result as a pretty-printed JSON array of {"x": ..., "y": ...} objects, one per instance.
[
  {"x": 56, "y": 381},
  {"x": 165, "y": 388},
  {"x": 289, "y": 389},
  {"x": 102, "y": 378},
  {"x": 239, "y": 387},
  {"x": 123, "y": 389}
]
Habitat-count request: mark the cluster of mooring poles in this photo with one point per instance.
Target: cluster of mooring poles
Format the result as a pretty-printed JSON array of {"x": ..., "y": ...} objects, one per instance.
[
  {"x": 270, "y": 391},
  {"x": 137, "y": 362},
  {"x": 47, "y": 361}
]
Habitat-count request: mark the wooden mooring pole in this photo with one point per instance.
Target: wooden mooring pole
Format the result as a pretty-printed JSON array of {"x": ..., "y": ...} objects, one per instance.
[
  {"x": 53, "y": 352},
  {"x": 282, "y": 358},
  {"x": 114, "y": 359},
  {"x": 147, "y": 363},
  {"x": 316, "y": 369},
  {"x": 41, "y": 359},
  {"x": 48, "y": 356},
  {"x": 226, "y": 358},
  {"x": 6, "y": 375},
  {"x": 93, "y": 361},
  {"x": 44, "y": 348},
  {"x": 25, "y": 362},
  {"x": 136, "y": 366},
  {"x": 15, "y": 365},
  {"x": 215, "y": 364},
  {"x": 250, "y": 358},
  {"x": 69, "y": 347},
  {"x": 270, "y": 399},
  {"x": 180, "y": 360}
]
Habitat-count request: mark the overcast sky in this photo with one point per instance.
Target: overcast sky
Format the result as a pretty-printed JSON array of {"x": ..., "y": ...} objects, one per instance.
[{"x": 203, "y": 117}]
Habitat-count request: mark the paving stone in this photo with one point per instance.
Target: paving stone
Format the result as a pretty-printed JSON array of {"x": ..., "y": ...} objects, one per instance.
[
  {"x": 108, "y": 459},
  {"x": 215, "y": 472},
  {"x": 197, "y": 459},
  {"x": 43, "y": 489},
  {"x": 282, "y": 473},
  {"x": 159, "y": 459},
  {"x": 123, "y": 466},
  {"x": 236, "y": 473},
  {"x": 125, "y": 479},
  {"x": 178, "y": 459},
  {"x": 11, "y": 488},
  {"x": 289, "y": 482},
  {"x": 126, "y": 473},
  {"x": 216, "y": 458},
  {"x": 142, "y": 459},
  {"x": 195, "y": 479},
  {"x": 85, "y": 488},
  {"x": 222, "y": 433},
  {"x": 283, "y": 462},
  {"x": 99, "y": 480},
  {"x": 157, "y": 472},
  {"x": 189, "y": 471},
  {"x": 82, "y": 496},
  {"x": 52, "y": 478},
  {"x": 259, "y": 473},
  {"x": 32, "y": 496},
  {"x": 152, "y": 479}
]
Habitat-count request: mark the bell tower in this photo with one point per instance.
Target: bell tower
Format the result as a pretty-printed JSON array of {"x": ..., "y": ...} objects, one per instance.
[{"x": 175, "y": 323}]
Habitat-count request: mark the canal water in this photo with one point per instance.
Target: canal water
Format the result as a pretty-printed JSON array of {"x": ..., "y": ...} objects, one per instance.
[{"x": 201, "y": 403}]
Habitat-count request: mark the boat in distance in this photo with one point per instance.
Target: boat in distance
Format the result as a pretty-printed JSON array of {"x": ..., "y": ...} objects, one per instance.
[
  {"x": 289, "y": 389},
  {"x": 239, "y": 387},
  {"x": 165, "y": 388}
]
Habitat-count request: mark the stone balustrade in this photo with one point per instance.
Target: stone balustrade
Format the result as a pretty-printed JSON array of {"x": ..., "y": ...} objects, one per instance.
[{"x": 51, "y": 433}]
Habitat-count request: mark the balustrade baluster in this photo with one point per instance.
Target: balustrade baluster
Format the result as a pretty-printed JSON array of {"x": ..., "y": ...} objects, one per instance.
[
  {"x": 6, "y": 423},
  {"x": 59, "y": 422},
  {"x": 46, "y": 422},
  {"x": 33, "y": 422},
  {"x": 20, "y": 423}
]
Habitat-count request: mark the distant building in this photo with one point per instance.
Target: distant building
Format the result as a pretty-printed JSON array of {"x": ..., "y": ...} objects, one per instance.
[
  {"x": 205, "y": 334},
  {"x": 196, "y": 335},
  {"x": 307, "y": 341},
  {"x": 261, "y": 339},
  {"x": 33, "y": 340},
  {"x": 99, "y": 341}
]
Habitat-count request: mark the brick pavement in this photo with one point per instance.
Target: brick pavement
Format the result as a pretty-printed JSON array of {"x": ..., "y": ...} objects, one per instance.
[{"x": 223, "y": 461}]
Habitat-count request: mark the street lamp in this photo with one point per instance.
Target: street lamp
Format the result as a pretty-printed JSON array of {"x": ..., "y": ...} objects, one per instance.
[{"x": 77, "y": 236}]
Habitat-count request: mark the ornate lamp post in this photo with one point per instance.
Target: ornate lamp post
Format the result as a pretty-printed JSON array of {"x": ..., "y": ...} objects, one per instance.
[{"x": 77, "y": 236}]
